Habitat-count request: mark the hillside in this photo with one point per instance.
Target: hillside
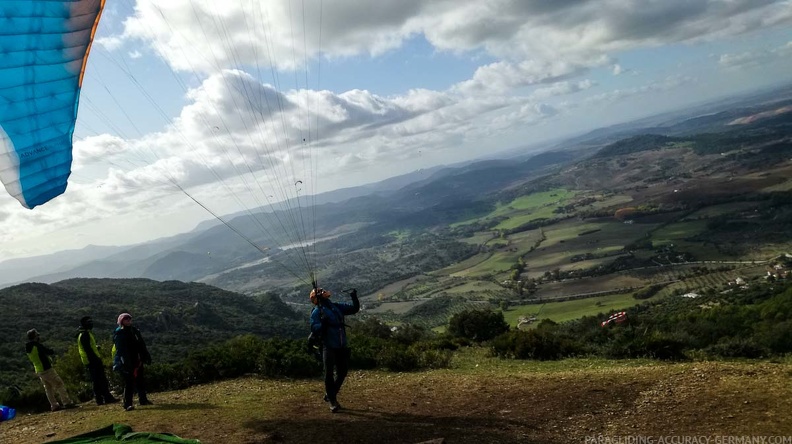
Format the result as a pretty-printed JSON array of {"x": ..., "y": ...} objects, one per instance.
[
  {"x": 689, "y": 201},
  {"x": 174, "y": 317},
  {"x": 491, "y": 401}
]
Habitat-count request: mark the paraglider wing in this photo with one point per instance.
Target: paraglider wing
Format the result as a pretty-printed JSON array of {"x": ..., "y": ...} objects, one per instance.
[{"x": 44, "y": 47}]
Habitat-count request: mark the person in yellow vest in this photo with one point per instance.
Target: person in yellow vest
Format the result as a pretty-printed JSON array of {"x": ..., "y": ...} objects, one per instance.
[
  {"x": 41, "y": 357},
  {"x": 89, "y": 353}
]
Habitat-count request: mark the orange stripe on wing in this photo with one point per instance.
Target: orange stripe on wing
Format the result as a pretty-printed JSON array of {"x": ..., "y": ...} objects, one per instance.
[{"x": 90, "y": 42}]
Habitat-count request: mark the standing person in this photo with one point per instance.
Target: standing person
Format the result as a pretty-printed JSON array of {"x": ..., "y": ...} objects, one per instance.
[
  {"x": 89, "y": 354},
  {"x": 41, "y": 357},
  {"x": 130, "y": 356},
  {"x": 327, "y": 321}
]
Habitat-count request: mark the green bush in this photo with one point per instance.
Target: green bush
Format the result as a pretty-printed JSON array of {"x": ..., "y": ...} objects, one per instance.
[
  {"x": 365, "y": 352},
  {"x": 287, "y": 358},
  {"x": 409, "y": 334},
  {"x": 398, "y": 358},
  {"x": 434, "y": 359},
  {"x": 370, "y": 327},
  {"x": 161, "y": 377},
  {"x": 477, "y": 325},
  {"x": 541, "y": 344},
  {"x": 655, "y": 345},
  {"x": 736, "y": 348}
]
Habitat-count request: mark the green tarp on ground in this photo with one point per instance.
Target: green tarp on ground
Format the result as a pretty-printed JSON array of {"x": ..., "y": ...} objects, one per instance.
[{"x": 123, "y": 433}]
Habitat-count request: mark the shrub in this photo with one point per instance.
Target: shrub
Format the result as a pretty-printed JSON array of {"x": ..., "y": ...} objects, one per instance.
[
  {"x": 656, "y": 345},
  {"x": 365, "y": 351},
  {"x": 287, "y": 357},
  {"x": 541, "y": 344},
  {"x": 408, "y": 334},
  {"x": 370, "y": 327},
  {"x": 435, "y": 359},
  {"x": 161, "y": 377},
  {"x": 736, "y": 348},
  {"x": 398, "y": 358},
  {"x": 478, "y": 325}
]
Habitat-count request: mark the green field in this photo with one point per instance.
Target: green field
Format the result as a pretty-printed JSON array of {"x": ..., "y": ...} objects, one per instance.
[
  {"x": 500, "y": 260},
  {"x": 397, "y": 308},
  {"x": 676, "y": 232},
  {"x": 566, "y": 240},
  {"x": 680, "y": 233},
  {"x": 479, "y": 238},
  {"x": 589, "y": 285},
  {"x": 569, "y": 310},
  {"x": 720, "y": 210},
  {"x": 475, "y": 287},
  {"x": 611, "y": 201},
  {"x": 526, "y": 208}
]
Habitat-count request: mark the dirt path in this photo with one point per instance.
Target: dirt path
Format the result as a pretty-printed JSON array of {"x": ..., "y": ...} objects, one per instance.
[{"x": 461, "y": 406}]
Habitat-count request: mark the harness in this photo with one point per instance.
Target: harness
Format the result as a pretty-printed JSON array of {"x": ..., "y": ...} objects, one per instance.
[{"x": 315, "y": 340}]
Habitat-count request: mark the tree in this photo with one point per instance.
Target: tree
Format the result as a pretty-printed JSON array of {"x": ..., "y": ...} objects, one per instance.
[{"x": 478, "y": 325}]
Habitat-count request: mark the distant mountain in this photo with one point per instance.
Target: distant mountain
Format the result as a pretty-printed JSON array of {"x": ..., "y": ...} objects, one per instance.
[
  {"x": 420, "y": 199},
  {"x": 144, "y": 260},
  {"x": 18, "y": 270}
]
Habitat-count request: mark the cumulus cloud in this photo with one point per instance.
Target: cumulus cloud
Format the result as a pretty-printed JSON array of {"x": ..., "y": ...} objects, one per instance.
[
  {"x": 284, "y": 34},
  {"x": 238, "y": 132}
]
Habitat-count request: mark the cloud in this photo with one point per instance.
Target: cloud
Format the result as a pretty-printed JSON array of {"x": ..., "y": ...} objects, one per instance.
[
  {"x": 561, "y": 88},
  {"x": 666, "y": 84},
  {"x": 240, "y": 135},
  {"x": 755, "y": 59},
  {"x": 501, "y": 77},
  {"x": 95, "y": 148},
  {"x": 580, "y": 33}
]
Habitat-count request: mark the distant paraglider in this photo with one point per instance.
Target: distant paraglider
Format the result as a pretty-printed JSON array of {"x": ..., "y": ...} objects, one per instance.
[{"x": 41, "y": 75}]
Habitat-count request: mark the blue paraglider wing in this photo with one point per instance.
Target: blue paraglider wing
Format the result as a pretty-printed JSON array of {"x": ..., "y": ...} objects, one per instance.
[{"x": 44, "y": 46}]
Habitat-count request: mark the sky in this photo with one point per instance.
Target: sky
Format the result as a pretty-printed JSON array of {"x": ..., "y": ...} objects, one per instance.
[{"x": 195, "y": 108}]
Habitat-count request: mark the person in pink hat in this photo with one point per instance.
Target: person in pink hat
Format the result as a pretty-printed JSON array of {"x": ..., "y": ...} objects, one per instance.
[{"x": 129, "y": 358}]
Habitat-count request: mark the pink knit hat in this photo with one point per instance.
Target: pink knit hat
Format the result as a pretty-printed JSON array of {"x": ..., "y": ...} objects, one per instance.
[{"x": 122, "y": 316}]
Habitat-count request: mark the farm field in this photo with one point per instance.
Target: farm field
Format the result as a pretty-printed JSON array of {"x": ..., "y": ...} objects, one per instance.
[
  {"x": 397, "y": 308},
  {"x": 719, "y": 210},
  {"x": 392, "y": 289},
  {"x": 572, "y": 238},
  {"x": 570, "y": 310},
  {"x": 526, "y": 208},
  {"x": 479, "y": 238},
  {"x": 588, "y": 285}
]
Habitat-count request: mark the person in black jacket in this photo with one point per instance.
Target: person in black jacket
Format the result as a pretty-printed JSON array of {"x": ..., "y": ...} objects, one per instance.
[
  {"x": 130, "y": 356},
  {"x": 89, "y": 354},
  {"x": 327, "y": 321}
]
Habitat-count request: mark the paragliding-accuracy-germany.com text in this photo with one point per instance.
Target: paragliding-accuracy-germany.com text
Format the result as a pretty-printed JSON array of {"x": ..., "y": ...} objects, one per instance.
[{"x": 688, "y": 439}]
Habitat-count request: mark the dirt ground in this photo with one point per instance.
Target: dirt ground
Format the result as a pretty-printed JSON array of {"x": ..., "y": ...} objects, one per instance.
[{"x": 612, "y": 404}]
